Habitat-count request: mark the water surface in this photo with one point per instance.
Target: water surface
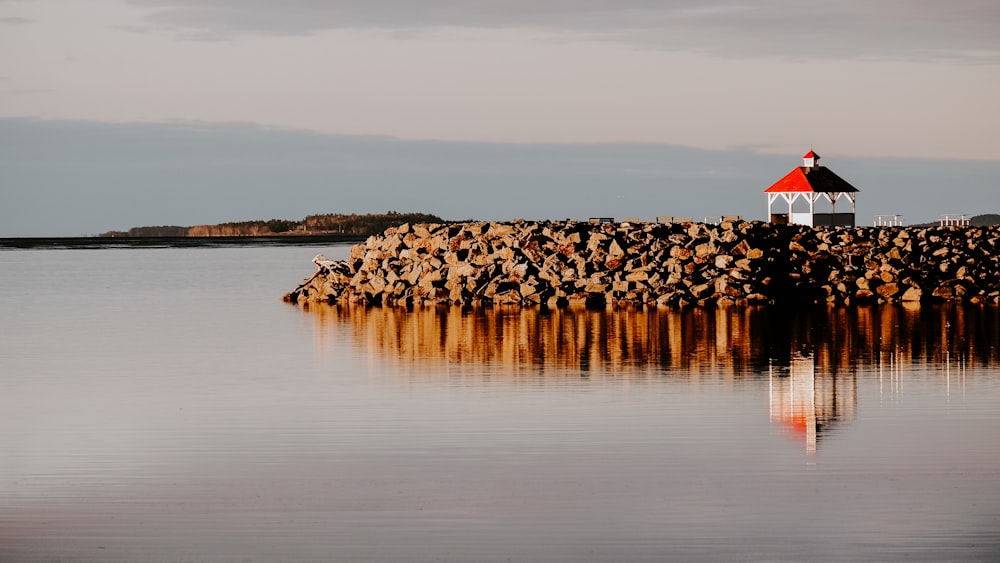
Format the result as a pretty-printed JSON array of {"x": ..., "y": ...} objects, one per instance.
[{"x": 164, "y": 405}]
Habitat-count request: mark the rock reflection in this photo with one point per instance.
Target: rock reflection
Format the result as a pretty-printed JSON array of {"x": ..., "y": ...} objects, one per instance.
[
  {"x": 695, "y": 344},
  {"x": 809, "y": 359},
  {"x": 723, "y": 343}
]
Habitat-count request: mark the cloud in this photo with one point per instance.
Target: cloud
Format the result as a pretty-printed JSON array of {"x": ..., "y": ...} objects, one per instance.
[{"x": 894, "y": 29}]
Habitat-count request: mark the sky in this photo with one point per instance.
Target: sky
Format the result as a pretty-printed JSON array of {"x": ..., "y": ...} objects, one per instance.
[{"x": 491, "y": 109}]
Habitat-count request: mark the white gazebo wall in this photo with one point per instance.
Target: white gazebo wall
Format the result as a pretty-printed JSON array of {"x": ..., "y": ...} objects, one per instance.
[{"x": 805, "y": 218}]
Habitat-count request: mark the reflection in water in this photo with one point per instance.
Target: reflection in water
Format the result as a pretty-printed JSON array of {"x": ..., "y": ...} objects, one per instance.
[
  {"x": 567, "y": 342},
  {"x": 726, "y": 342},
  {"x": 809, "y": 404},
  {"x": 811, "y": 359}
]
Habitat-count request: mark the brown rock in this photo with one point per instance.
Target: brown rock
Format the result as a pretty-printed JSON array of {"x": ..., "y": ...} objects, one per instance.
[
  {"x": 650, "y": 264},
  {"x": 638, "y": 275},
  {"x": 943, "y": 291},
  {"x": 700, "y": 289},
  {"x": 888, "y": 290},
  {"x": 704, "y": 250},
  {"x": 722, "y": 261}
]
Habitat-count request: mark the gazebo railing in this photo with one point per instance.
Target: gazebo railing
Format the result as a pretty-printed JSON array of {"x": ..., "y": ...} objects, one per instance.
[
  {"x": 888, "y": 220},
  {"x": 954, "y": 220}
]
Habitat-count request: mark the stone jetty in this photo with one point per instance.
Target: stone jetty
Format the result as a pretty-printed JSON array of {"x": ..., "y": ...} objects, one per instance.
[{"x": 560, "y": 263}]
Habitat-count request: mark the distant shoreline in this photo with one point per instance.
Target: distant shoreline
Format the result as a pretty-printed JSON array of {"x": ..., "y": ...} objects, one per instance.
[{"x": 25, "y": 243}]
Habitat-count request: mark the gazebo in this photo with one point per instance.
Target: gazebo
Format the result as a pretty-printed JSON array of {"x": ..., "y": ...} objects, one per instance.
[{"x": 806, "y": 185}]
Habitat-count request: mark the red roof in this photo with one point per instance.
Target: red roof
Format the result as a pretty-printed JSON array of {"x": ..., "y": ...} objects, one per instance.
[
  {"x": 810, "y": 154},
  {"x": 794, "y": 181},
  {"x": 811, "y": 179}
]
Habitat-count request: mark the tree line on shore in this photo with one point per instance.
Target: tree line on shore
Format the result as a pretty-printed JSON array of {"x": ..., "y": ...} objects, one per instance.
[{"x": 361, "y": 225}]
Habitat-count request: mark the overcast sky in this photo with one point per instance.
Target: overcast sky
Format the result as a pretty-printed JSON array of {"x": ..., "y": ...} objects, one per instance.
[{"x": 915, "y": 79}]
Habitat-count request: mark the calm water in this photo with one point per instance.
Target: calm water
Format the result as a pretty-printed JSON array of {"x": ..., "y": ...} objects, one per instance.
[{"x": 165, "y": 405}]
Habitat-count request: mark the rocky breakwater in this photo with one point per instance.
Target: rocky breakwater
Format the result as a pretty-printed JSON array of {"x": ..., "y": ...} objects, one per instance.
[{"x": 683, "y": 264}]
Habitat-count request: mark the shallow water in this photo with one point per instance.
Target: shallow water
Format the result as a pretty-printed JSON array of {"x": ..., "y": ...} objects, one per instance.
[{"x": 164, "y": 405}]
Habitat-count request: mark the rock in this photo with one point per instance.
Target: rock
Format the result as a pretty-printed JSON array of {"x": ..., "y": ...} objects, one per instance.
[
  {"x": 888, "y": 290},
  {"x": 704, "y": 250},
  {"x": 555, "y": 263},
  {"x": 700, "y": 289},
  {"x": 638, "y": 275},
  {"x": 943, "y": 292},
  {"x": 863, "y": 295}
]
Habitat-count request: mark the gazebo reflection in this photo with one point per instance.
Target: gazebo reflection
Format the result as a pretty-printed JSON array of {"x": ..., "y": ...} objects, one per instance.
[{"x": 807, "y": 404}]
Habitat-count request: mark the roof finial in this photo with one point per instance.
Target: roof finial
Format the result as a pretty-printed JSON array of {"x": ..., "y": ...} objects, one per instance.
[{"x": 809, "y": 159}]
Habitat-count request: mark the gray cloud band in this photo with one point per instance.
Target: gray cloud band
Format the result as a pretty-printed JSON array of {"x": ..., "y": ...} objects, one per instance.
[{"x": 892, "y": 29}]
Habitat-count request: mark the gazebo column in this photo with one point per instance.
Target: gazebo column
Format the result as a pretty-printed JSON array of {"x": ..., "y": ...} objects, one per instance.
[{"x": 771, "y": 198}]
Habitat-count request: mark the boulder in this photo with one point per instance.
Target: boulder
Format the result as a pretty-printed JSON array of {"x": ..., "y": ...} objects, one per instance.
[{"x": 556, "y": 263}]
